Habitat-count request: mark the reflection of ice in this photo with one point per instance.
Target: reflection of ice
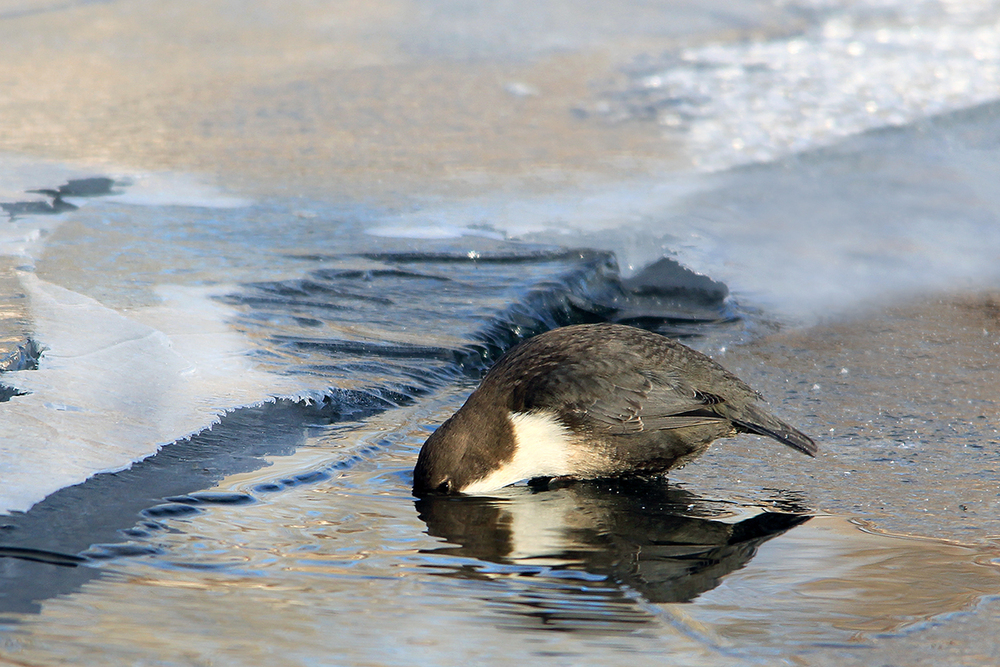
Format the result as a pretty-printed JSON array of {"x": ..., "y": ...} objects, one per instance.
[{"x": 111, "y": 389}]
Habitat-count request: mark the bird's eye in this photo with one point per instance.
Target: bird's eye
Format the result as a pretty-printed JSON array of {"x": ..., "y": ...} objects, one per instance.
[{"x": 444, "y": 487}]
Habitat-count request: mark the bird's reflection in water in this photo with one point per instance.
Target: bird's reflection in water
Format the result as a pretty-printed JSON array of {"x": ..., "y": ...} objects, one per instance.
[{"x": 572, "y": 558}]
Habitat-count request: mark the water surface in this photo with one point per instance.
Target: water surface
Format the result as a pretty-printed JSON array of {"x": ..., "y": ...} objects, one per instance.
[{"x": 251, "y": 259}]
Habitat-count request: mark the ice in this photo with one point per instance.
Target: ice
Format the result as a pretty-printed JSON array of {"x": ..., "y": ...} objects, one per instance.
[
  {"x": 431, "y": 230},
  {"x": 744, "y": 102},
  {"x": 173, "y": 189},
  {"x": 113, "y": 388}
]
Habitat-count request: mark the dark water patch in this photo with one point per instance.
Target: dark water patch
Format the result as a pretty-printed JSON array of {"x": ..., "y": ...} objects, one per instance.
[
  {"x": 433, "y": 315},
  {"x": 377, "y": 349},
  {"x": 270, "y": 487},
  {"x": 212, "y": 498},
  {"x": 19, "y": 209},
  {"x": 368, "y": 275},
  {"x": 97, "y": 186},
  {"x": 170, "y": 511},
  {"x": 42, "y": 556},
  {"x": 669, "y": 280},
  {"x": 7, "y": 393},
  {"x": 143, "y": 530},
  {"x": 310, "y": 477},
  {"x": 299, "y": 289},
  {"x": 206, "y": 567},
  {"x": 22, "y": 358}
]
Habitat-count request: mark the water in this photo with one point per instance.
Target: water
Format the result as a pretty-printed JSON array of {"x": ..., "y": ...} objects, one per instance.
[{"x": 213, "y": 388}]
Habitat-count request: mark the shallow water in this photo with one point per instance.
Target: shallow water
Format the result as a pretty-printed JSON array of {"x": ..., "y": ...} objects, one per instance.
[
  {"x": 212, "y": 397},
  {"x": 324, "y": 548}
]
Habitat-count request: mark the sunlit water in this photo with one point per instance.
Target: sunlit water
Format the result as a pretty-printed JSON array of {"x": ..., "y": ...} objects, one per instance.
[
  {"x": 324, "y": 555},
  {"x": 210, "y": 461}
]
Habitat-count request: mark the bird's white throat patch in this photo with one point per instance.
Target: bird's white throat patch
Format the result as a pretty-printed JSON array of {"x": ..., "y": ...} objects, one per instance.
[{"x": 542, "y": 447}]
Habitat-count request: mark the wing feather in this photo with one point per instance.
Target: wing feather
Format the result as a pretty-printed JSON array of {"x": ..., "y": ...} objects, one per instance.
[{"x": 632, "y": 403}]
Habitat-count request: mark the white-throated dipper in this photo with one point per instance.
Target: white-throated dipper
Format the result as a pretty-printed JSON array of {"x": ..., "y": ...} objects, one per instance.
[{"x": 591, "y": 401}]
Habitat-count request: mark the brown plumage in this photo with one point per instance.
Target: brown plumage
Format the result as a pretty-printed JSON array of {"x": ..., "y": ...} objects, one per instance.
[{"x": 593, "y": 400}]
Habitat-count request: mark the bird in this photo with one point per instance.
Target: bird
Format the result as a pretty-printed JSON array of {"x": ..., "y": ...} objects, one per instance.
[{"x": 592, "y": 401}]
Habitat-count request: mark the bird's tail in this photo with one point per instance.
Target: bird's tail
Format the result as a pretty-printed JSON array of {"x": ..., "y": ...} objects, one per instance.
[{"x": 753, "y": 419}]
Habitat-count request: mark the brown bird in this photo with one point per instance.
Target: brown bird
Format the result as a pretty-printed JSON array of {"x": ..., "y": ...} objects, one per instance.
[{"x": 592, "y": 401}]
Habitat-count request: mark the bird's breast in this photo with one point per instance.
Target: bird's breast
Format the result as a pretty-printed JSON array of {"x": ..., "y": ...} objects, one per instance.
[{"x": 543, "y": 447}]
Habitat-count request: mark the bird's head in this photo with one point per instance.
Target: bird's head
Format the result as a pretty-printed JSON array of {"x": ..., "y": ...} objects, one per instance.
[{"x": 465, "y": 449}]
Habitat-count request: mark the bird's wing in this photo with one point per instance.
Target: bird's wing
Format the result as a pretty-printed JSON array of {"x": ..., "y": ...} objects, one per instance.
[{"x": 633, "y": 402}]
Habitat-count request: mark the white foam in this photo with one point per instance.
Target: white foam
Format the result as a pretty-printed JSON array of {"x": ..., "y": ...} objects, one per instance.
[{"x": 755, "y": 101}]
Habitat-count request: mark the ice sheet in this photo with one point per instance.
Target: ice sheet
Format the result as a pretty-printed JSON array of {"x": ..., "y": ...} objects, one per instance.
[
  {"x": 112, "y": 388},
  {"x": 863, "y": 67}
]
